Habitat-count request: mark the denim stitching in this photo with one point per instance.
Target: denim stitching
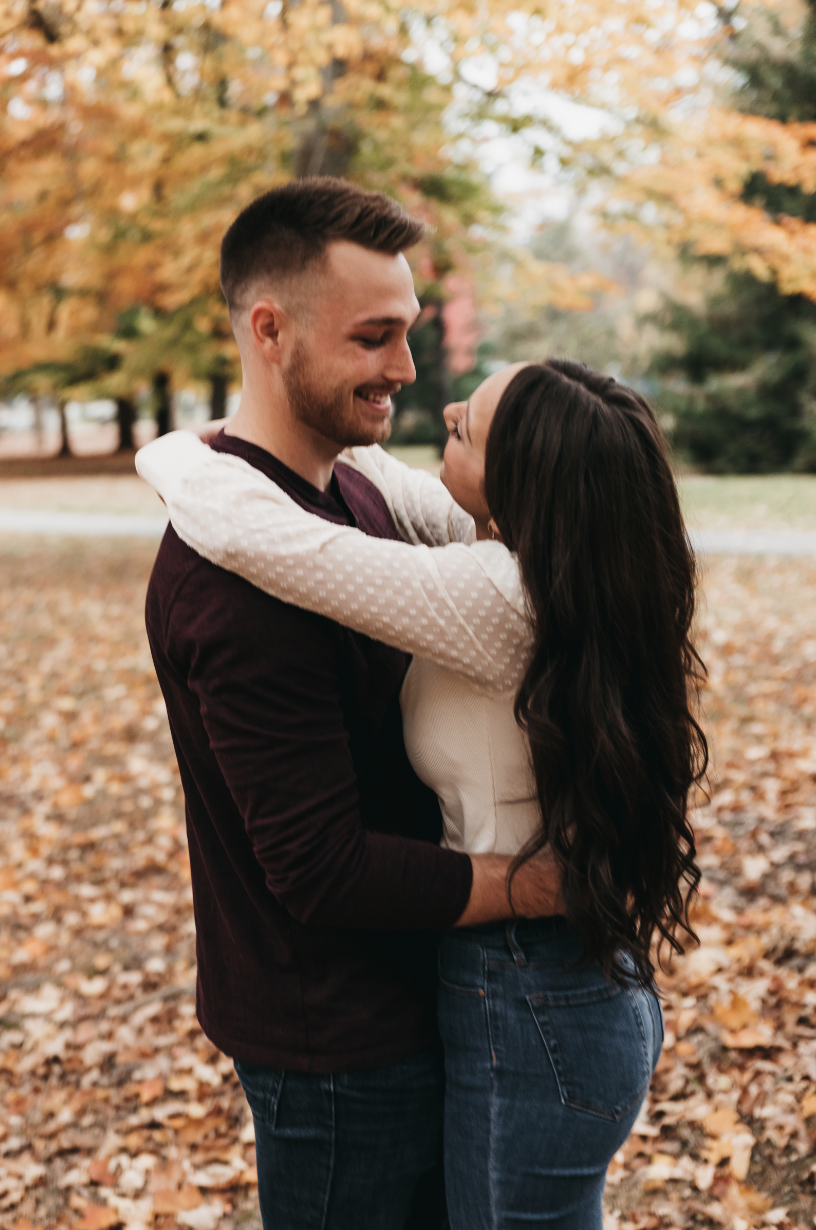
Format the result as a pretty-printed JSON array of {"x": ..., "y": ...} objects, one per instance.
[
  {"x": 273, "y": 1117},
  {"x": 641, "y": 1027},
  {"x": 331, "y": 1158},
  {"x": 612, "y": 1116},
  {"x": 451, "y": 986},
  {"x": 490, "y": 1041},
  {"x": 491, "y": 1168}
]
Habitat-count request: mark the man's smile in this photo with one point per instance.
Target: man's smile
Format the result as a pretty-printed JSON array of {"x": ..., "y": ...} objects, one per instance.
[{"x": 378, "y": 400}]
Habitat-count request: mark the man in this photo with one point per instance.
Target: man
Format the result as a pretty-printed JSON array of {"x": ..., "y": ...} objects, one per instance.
[{"x": 318, "y": 881}]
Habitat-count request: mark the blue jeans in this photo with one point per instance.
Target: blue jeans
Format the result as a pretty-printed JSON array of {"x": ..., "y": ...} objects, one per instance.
[
  {"x": 350, "y": 1150},
  {"x": 547, "y": 1066}
]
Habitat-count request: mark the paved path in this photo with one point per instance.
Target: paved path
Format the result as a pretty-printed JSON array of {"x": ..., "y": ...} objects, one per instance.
[
  {"x": 82, "y": 525},
  {"x": 94, "y": 525},
  {"x": 751, "y": 542}
]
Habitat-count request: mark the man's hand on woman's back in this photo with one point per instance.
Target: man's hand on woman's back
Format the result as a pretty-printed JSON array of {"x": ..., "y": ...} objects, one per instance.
[{"x": 536, "y": 889}]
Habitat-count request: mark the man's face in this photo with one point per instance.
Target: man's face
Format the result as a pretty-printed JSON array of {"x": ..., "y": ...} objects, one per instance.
[{"x": 350, "y": 350}]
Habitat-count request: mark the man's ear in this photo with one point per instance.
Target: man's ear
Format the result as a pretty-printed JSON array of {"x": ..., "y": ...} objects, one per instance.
[{"x": 265, "y": 321}]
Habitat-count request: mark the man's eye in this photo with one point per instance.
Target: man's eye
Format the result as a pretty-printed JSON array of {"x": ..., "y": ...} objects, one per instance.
[{"x": 371, "y": 343}]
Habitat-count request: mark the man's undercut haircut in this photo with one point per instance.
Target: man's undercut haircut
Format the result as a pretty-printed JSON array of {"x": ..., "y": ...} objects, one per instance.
[{"x": 288, "y": 229}]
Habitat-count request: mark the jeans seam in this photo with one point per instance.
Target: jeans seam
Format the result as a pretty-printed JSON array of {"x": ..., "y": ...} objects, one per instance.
[
  {"x": 327, "y": 1197},
  {"x": 642, "y": 1032},
  {"x": 488, "y": 1020},
  {"x": 491, "y": 1167}
]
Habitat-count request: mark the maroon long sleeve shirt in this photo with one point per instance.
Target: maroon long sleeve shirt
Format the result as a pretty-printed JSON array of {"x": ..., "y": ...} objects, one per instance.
[{"x": 318, "y": 881}]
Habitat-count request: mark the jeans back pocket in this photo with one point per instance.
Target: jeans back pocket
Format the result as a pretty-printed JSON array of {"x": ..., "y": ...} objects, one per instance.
[
  {"x": 597, "y": 1043},
  {"x": 262, "y": 1087}
]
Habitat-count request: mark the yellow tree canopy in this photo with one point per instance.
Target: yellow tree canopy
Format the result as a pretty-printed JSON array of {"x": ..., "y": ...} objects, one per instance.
[
  {"x": 680, "y": 169},
  {"x": 131, "y": 131}
]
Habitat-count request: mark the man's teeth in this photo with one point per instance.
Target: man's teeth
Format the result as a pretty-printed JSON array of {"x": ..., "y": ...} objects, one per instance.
[{"x": 379, "y": 399}]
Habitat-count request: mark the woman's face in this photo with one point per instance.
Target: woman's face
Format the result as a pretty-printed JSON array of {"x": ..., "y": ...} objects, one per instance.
[{"x": 468, "y": 425}]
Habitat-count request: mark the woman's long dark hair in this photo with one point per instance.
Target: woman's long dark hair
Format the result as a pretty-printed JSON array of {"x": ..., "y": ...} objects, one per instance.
[{"x": 578, "y": 481}]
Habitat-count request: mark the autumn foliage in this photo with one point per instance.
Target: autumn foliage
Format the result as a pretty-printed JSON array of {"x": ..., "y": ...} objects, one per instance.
[{"x": 132, "y": 132}]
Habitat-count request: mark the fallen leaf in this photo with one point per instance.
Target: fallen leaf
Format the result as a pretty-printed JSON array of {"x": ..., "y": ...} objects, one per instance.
[
  {"x": 809, "y": 1105},
  {"x": 736, "y": 1014},
  {"x": 165, "y": 1201},
  {"x": 206, "y": 1217},
  {"x": 98, "y": 1173},
  {"x": 151, "y": 1091},
  {"x": 69, "y": 796},
  {"x": 748, "y": 1039},
  {"x": 96, "y": 1217}
]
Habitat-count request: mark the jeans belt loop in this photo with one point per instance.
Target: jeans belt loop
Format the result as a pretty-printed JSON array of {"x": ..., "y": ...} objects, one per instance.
[{"x": 513, "y": 944}]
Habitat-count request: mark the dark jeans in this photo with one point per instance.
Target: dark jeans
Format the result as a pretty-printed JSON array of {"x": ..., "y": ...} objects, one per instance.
[
  {"x": 547, "y": 1066},
  {"x": 349, "y": 1151}
]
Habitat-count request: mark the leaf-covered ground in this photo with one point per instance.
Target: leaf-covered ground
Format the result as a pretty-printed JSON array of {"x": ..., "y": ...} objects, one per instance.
[{"x": 116, "y": 1109}]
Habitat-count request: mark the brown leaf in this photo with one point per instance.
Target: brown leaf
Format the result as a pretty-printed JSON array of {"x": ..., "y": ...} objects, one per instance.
[
  {"x": 97, "y": 1217},
  {"x": 151, "y": 1091},
  {"x": 735, "y": 1015},
  {"x": 167, "y": 1178},
  {"x": 69, "y": 796},
  {"x": 99, "y": 1173},
  {"x": 748, "y": 1039},
  {"x": 176, "y": 1202},
  {"x": 809, "y": 1105}
]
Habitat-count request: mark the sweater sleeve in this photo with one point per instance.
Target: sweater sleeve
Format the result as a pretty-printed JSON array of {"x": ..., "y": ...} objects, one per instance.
[
  {"x": 421, "y": 507},
  {"x": 459, "y": 606}
]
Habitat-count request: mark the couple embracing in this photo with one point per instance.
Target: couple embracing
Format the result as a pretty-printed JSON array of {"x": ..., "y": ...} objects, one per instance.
[{"x": 436, "y": 741}]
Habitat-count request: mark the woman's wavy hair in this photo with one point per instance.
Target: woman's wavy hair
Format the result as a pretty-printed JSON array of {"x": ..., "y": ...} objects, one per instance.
[{"x": 578, "y": 482}]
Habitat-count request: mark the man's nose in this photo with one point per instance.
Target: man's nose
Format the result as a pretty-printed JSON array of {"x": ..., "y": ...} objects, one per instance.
[{"x": 400, "y": 367}]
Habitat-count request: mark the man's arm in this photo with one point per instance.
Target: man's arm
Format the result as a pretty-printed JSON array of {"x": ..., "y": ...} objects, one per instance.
[
  {"x": 265, "y": 675},
  {"x": 535, "y": 890}
]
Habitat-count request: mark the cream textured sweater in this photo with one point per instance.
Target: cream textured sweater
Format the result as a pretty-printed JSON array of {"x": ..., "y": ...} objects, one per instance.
[{"x": 459, "y": 609}]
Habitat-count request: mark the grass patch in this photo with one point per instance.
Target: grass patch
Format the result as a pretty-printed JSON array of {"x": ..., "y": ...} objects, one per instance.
[{"x": 752, "y": 502}]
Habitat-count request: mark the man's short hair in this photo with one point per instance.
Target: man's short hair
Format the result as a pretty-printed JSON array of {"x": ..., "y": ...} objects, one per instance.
[{"x": 289, "y": 228}]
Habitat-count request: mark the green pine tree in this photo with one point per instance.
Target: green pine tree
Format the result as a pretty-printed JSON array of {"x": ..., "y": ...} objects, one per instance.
[{"x": 739, "y": 379}]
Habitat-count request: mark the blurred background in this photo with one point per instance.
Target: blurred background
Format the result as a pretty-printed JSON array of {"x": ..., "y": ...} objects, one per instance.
[{"x": 627, "y": 182}]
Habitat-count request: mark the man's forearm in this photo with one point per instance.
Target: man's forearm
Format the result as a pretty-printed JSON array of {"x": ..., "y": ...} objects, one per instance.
[{"x": 536, "y": 890}]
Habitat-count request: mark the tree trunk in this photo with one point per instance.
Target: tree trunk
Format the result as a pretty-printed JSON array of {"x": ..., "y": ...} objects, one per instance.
[
  {"x": 37, "y": 410},
  {"x": 162, "y": 402},
  {"x": 125, "y": 417},
  {"x": 440, "y": 372},
  {"x": 325, "y": 140},
  {"x": 218, "y": 395},
  {"x": 65, "y": 444}
]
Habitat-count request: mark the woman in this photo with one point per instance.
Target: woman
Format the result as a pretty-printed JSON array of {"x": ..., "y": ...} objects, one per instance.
[{"x": 548, "y": 704}]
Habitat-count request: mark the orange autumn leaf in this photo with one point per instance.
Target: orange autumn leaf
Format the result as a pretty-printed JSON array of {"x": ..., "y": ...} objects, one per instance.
[
  {"x": 749, "y": 1038},
  {"x": 97, "y": 1217},
  {"x": 736, "y": 1014},
  {"x": 150, "y": 1091},
  {"x": 180, "y": 1201},
  {"x": 98, "y": 1173},
  {"x": 71, "y": 795}
]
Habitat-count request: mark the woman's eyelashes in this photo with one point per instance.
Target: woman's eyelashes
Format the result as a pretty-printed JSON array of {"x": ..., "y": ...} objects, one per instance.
[{"x": 453, "y": 430}]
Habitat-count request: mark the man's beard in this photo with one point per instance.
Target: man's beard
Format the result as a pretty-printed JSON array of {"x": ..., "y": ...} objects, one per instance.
[{"x": 329, "y": 411}]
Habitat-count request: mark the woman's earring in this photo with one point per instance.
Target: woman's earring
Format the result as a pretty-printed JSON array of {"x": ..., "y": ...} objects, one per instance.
[{"x": 493, "y": 530}]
